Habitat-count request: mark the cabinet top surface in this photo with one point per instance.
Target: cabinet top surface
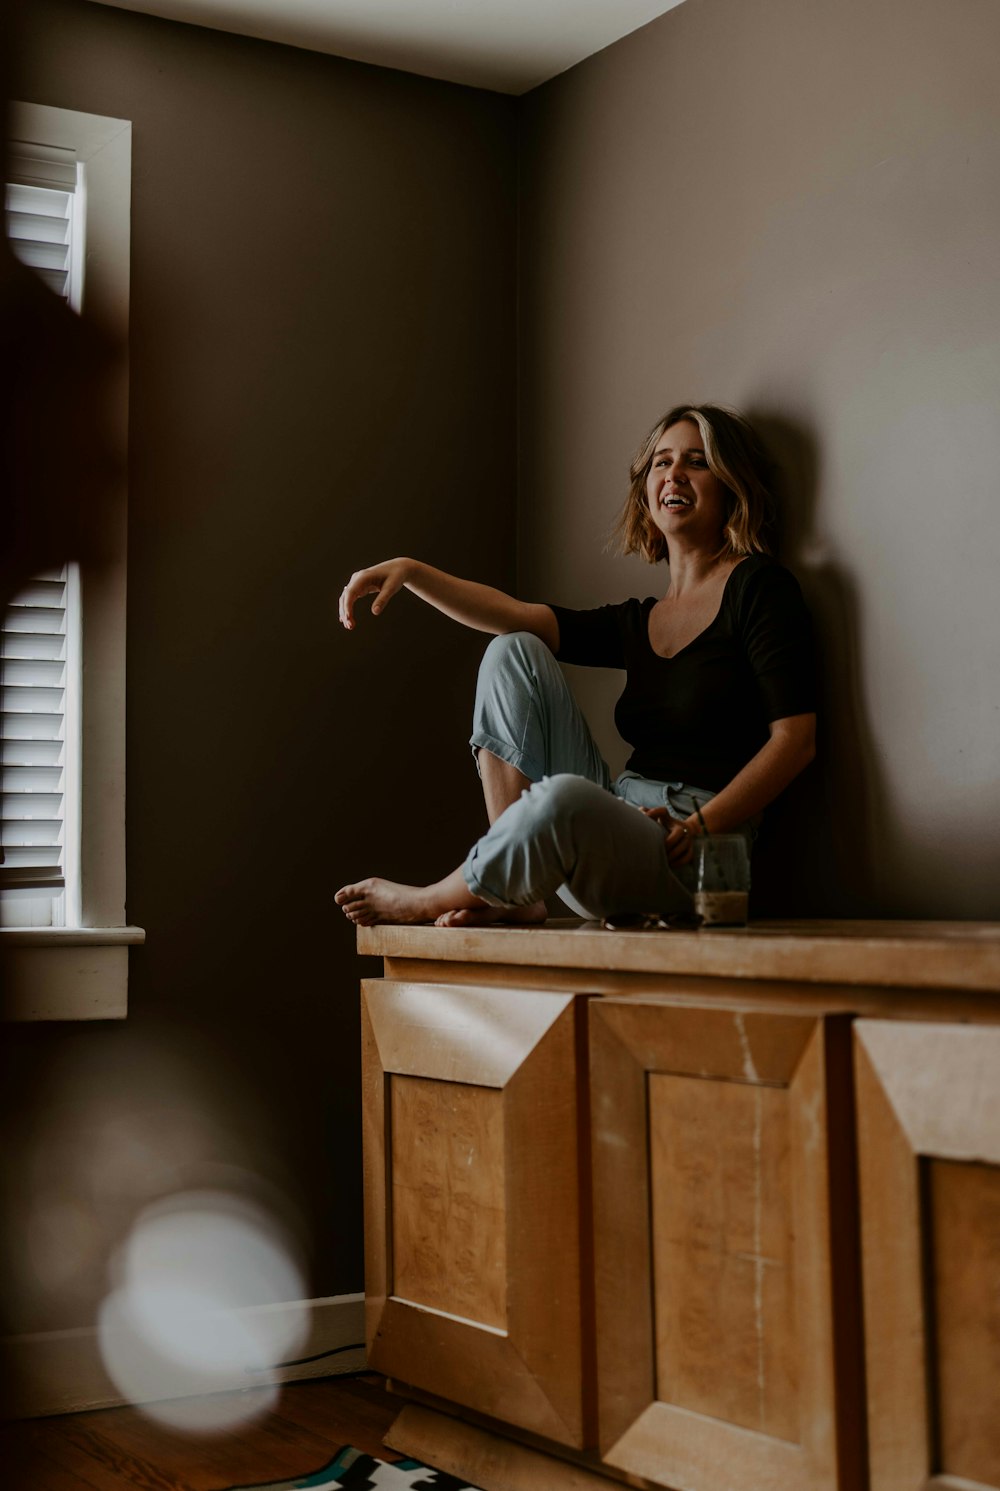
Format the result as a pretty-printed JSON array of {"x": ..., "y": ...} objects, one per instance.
[{"x": 915, "y": 954}]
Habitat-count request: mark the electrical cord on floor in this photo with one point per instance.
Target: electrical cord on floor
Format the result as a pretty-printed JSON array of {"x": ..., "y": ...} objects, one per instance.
[{"x": 300, "y": 1361}]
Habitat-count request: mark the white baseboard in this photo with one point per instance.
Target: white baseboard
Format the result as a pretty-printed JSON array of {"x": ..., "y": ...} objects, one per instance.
[{"x": 62, "y": 1371}]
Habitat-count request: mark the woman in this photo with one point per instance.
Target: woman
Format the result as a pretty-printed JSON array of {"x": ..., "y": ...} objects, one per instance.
[{"x": 718, "y": 701}]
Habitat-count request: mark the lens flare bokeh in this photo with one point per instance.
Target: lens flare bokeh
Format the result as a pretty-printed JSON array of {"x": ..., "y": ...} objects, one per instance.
[{"x": 208, "y": 1297}]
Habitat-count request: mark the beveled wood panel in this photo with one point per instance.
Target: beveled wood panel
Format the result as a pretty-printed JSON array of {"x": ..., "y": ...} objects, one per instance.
[
  {"x": 474, "y": 1290},
  {"x": 928, "y": 1117},
  {"x": 455, "y": 1035},
  {"x": 448, "y": 1198},
  {"x": 941, "y": 1081},
  {"x": 485, "y": 1459},
  {"x": 722, "y": 1251},
  {"x": 721, "y": 1116},
  {"x": 965, "y": 1230},
  {"x": 894, "y": 954}
]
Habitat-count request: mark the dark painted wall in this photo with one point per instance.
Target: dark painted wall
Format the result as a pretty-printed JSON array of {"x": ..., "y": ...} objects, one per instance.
[{"x": 322, "y": 375}]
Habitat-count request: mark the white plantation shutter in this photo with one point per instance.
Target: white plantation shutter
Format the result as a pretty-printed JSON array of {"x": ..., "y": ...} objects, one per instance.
[
  {"x": 43, "y": 214},
  {"x": 38, "y": 647},
  {"x": 35, "y": 764}
]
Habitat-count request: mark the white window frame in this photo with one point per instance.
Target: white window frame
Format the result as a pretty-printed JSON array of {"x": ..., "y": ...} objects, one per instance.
[{"x": 81, "y": 972}]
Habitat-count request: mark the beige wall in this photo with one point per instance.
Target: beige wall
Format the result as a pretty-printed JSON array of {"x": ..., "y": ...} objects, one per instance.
[
  {"x": 792, "y": 207},
  {"x": 787, "y": 206},
  {"x": 322, "y": 347}
]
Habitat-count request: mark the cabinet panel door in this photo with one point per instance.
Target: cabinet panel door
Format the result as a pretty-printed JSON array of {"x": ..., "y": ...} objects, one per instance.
[
  {"x": 717, "y": 1357},
  {"x": 929, "y": 1144},
  {"x": 472, "y": 1198}
]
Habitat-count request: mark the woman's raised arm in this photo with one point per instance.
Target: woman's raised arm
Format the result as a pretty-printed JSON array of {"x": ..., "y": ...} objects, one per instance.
[{"x": 478, "y": 606}]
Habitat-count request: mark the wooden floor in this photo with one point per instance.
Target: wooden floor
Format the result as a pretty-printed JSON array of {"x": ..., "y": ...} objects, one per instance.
[{"x": 121, "y": 1449}]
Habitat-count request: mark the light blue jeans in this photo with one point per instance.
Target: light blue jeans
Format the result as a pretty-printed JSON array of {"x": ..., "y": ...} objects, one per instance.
[{"x": 573, "y": 831}]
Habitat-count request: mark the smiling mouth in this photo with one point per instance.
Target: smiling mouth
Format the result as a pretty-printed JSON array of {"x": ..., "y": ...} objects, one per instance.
[{"x": 677, "y": 502}]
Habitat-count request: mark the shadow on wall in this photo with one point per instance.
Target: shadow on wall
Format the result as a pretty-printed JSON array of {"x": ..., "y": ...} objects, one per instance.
[{"x": 817, "y": 852}]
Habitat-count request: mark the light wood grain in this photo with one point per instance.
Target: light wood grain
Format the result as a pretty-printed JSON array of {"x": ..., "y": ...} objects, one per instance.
[
  {"x": 465, "y": 1365},
  {"x": 812, "y": 1144},
  {"x": 954, "y": 1483},
  {"x": 892, "y": 1268},
  {"x": 965, "y": 1226},
  {"x": 722, "y": 1251},
  {"x": 453, "y": 1034},
  {"x": 485, "y": 1459},
  {"x": 760, "y": 1016},
  {"x": 377, "y": 1179},
  {"x": 544, "y": 1221},
  {"x": 623, "y": 1274},
  {"x": 719, "y": 1044},
  {"x": 632, "y": 1043},
  {"x": 522, "y": 1140},
  {"x": 920, "y": 955},
  {"x": 448, "y": 1198},
  {"x": 898, "y": 1001},
  {"x": 943, "y": 1085},
  {"x": 927, "y": 1093},
  {"x": 673, "y": 1447}
]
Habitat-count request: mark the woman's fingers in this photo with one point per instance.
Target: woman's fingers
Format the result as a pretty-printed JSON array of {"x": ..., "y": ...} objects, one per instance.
[
  {"x": 348, "y": 596},
  {"x": 385, "y": 579},
  {"x": 362, "y": 583},
  {"x": 386, "y": 591},
  {"x": 679, "y": 853},
  {"x": 344, "y": 610},
  {"x": 679, "y": 838}
]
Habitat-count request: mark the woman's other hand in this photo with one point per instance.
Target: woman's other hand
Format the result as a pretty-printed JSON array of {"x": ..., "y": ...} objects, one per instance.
[
  {"x": 680, "y": 834},
  {"x": 381, "y": 580}
]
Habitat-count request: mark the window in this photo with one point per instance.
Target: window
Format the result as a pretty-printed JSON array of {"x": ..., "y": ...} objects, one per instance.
[
  {"x": 63, "y": 898},
  {"x": 40, "y": 742},
  {"x": 40, "y": 633}
]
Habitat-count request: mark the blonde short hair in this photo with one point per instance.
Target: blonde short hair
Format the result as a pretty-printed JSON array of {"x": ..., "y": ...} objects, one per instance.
[{"x": 734, "y": 455}]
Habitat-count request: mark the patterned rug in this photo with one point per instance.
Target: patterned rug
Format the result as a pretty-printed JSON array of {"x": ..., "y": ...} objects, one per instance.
[{"x": 354, "y": 1471}]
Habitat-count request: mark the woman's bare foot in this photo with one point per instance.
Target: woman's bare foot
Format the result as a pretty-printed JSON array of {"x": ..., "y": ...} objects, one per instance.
[
  {"x": 486, "y": 916},
  {"x": 374, "y": 900}
]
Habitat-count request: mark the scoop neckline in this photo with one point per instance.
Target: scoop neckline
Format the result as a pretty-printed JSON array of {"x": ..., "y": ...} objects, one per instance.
[{"x": 705, "y": 630}]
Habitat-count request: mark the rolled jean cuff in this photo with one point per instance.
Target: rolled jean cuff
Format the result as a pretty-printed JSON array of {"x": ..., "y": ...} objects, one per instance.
[
  {"x": 525, "y": 764},
  {"x": 476, "y": 886}
]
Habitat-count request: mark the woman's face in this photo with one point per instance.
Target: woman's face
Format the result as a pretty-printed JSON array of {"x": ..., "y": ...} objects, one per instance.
[{"x": 684, "y": 497}]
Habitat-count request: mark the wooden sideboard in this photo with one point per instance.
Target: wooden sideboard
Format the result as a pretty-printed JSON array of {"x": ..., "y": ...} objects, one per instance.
[{"x": 713, "y": 1211}]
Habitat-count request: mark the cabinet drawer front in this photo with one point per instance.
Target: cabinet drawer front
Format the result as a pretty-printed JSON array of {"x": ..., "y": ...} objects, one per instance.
[
  {"x": 715, "y": 1312},
  {"x": 472, "y": 1198},
  {"x": 929, "y": 1146}
]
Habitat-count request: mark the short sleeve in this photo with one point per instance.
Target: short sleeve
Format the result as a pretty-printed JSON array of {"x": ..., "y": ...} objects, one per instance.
[
  {"x": 778, "y": 639},
  {"x": 591, "y": 639}
]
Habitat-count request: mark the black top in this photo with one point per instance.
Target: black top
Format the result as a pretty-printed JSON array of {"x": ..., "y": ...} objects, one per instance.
[{"x": 700, "y": 716}]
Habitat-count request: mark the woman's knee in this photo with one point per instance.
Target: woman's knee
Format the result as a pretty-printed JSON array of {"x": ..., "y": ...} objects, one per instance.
[
  {"x": 562, "y": 798},
  {"x": 513, "y": 649}
]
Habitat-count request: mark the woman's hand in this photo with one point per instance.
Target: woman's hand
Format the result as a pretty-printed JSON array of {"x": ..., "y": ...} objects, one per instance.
[
  {"x": 382, "y": 580},
  {"x": 480, "y": 607},
  {"x": 680, "y": 834}
]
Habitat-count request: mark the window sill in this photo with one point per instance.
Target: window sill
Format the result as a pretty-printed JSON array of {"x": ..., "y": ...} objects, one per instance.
[{"x": 66, "y": 973}]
